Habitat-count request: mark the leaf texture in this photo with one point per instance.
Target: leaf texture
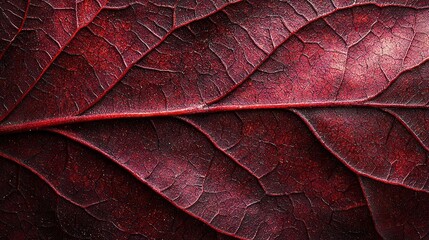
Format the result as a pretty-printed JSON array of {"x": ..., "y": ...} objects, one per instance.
[
  {"x": 221, "y": 119},
  {"x": 78, "y": 194}
]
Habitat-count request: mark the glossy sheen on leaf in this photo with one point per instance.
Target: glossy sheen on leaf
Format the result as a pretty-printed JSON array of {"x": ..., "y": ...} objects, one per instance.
[{"x": 214, "y": 119}]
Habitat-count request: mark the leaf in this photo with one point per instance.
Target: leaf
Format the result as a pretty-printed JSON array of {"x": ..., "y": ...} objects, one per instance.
[
  {"x": 214, "y": 119},
  {"x": 67, "y": 191},
  {"x": 400, "y": 212}
]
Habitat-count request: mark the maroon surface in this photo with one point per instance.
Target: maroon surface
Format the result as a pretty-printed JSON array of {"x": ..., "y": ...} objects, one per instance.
[
  {"x": 214, "y": 119},
  {"x": 59, "y": 189},
  {"x": 399, "y": 213}
]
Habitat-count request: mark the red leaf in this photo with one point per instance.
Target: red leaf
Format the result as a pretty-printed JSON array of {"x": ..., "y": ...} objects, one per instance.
[
  {"x": 59, "y": 189},
  {"x": 214, "y": 119},
  {"x": 392, "y": 154},
  {"x": 398, "y": 212}
]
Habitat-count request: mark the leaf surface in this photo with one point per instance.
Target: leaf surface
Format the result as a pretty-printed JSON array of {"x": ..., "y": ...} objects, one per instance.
[
  {"x": 397, "y": 211},
  {"x": 214, "y": 119},
  {"x": 61, "y": 189}
]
